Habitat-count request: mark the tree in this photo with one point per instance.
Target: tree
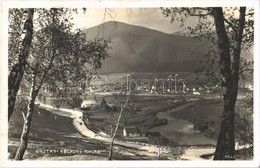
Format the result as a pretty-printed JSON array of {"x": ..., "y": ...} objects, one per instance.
[
  {"x": 122, "y": 105},
  {"x": 233, "y": 35},
  {"x": 58, "y": 54},
  {"x": 24, "y": 36}
]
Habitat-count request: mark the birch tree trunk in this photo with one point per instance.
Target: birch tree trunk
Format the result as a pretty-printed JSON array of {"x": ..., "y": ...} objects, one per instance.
[
  {"x": 110, "y": 154},
  {"x": 27, "y": 123},
  {"x": 113, "y": 137},
  {"x": 17, "y": 70},
  {"x": 28, "y": 119}
]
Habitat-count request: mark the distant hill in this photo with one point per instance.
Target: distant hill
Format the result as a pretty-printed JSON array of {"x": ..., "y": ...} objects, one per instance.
[{"x": 140, "y": 49}]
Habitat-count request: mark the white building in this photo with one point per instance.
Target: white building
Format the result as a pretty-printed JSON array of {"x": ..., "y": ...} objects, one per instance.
[
  {"x": 132, "y": 132},
  {"x": 88, "y": 103},
  {"x": 196, "y": 93}
]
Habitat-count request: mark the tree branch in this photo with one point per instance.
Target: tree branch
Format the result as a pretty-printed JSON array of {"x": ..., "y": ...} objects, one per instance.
[
  {"x": 24, "y": 118},
  {"x": 243, "y": 70},
  {"x": 250, "y": 14},
  {"x": 188, "y": 10},
  {"x": 231, "y": 25},
  {"x": 46, "y": 72}
]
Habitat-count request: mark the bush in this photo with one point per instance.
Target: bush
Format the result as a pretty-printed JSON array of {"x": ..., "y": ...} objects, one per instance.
[
  {"x": 21, "y": 103},
  {"x": 75, "y": 102}
]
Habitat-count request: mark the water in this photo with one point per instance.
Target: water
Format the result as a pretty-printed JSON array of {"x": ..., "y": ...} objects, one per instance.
[{"x": 181, "y": 131}]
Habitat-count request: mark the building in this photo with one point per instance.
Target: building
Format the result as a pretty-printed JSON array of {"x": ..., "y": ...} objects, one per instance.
[
  {"x": 88, "y": 103},
  {"x": 132, "y": 132},
  {"x": 196, "y": 93}
]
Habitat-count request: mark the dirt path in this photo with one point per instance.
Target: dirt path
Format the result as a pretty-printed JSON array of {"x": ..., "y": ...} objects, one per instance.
[
  {"x": 148, "y": 150},
  {"x": 195, "y": 154}
]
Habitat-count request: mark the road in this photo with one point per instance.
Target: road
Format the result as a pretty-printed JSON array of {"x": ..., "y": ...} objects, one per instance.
[{"x": 149, "y": 150}]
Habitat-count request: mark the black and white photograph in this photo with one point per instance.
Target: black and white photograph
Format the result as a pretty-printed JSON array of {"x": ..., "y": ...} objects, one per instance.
[{"x": 130, "y": 83}]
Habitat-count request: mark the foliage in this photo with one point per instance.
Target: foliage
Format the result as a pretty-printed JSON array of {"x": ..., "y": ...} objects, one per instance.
[
  {"x": 244, "y": 124},
  {"x": 14, "y": 35},
  {"x": 234, "y": 30},
  {"x": 21, "y": 103},
  {"x": 20, "y": 54},
  {"x": 55, "y": 37},
  {"x": 58, "y": 55},
  {"x": 205, "y": 30}
]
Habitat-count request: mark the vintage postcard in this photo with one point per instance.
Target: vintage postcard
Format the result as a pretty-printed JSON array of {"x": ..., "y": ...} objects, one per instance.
[{"x": 130, "y": 83}]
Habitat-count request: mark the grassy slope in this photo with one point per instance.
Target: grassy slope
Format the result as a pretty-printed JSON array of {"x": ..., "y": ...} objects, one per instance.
[
  {"x": 49, "y": 133},
  {"x": 209, "y": 115},
  {"x": 145, "y": 115},
  {"x": 202, "y": 116},
  {"x": 145, "y": 112}
]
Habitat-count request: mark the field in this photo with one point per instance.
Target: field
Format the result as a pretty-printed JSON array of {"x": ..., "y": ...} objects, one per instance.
[
  {"x": 54, "y": 137},
  {"x": 192, "y": 120},
  {"x": 149, "y": 110},
  {"x": 207, "y": 120},
  {"x": 50, "y": 132}
]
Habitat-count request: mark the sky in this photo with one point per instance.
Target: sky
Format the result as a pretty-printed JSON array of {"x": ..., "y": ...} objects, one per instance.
[{"x": 147, "y": 17}]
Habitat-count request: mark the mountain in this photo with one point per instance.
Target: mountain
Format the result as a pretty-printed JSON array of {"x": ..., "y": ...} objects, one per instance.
[{"x": 140, "y": 49}]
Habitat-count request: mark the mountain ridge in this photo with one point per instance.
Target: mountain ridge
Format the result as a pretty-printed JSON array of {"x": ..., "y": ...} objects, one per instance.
[{"x": 139, "y": 49}]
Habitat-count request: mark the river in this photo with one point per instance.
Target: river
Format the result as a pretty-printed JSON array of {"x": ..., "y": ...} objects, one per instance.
[{"x": 181, "y": 131}]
